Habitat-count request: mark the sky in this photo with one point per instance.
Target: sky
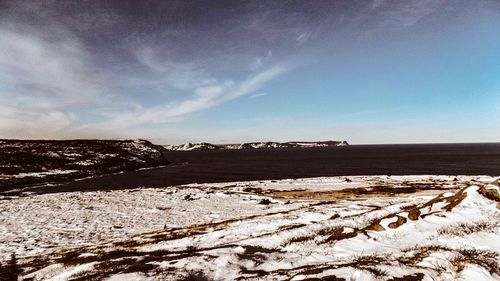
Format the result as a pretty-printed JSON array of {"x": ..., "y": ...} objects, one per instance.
[{"x": 379, "y": 71}]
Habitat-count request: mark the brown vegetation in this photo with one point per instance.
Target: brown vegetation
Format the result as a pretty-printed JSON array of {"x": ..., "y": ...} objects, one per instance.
[
  {"x": 401, "y": 220},
  {"x": 467, "y": 228},
  {"x": 414, "y": 214},
  {"x": 490, "y": 193}
]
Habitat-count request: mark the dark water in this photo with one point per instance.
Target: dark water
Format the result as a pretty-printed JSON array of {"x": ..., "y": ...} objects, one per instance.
[{"x": 239, "y": 165}]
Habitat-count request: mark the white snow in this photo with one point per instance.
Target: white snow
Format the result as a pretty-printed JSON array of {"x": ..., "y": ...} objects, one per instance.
[
  {"x": 134, "y": 276},
  {"x": 224, "y": 232},
  {"x": 44, "y": 174}
]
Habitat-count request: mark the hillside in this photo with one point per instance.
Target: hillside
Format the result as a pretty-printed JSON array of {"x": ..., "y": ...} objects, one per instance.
[{"x": 30, "y": 162}]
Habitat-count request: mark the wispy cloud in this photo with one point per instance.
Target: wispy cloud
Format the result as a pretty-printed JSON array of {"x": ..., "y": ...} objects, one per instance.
[
  {"x": 303, "y": 37},
  {"x": 19, "y": 123},
  {"x": 383, "y": 15},
  {"x": 258, "y": 95},
  {"x": 51, "y": 64},
  {"x": 42, "y": 76},
  {"x": 178, "y": 75},
  {"x": 53, "y": 84},
  {"x": 202, "y": 98}
]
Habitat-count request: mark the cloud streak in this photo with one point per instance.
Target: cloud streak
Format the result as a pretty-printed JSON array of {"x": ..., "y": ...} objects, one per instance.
[
  {"x": 52, "y": 83},
  {"x": 52, "y": 64},
  {"x": 203, "y": 97},
  {"x": 42, "y": 76}
]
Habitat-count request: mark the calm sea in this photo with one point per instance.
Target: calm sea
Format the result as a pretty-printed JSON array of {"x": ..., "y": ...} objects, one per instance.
[{"x": 239, "y": 165}]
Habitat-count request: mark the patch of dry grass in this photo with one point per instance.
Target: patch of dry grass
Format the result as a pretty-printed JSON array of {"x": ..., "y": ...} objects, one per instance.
[
  {"x": 360, "y": 193},
  {"x": 486, "y": 259},
  {"x": 352, "y": 194},
  {"x": 462, "y": 229},
  {"x": 401, "y": 220},
  {"x": 463, "y": 256},
  {"x": 490, "y": 193}
]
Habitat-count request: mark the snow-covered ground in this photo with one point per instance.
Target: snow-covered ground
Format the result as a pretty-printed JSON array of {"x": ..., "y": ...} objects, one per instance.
[{"x": 355, "y": 228}]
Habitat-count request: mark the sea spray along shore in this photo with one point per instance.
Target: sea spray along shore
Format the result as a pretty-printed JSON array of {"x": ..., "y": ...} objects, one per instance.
[{"x": 336, "y": 228}]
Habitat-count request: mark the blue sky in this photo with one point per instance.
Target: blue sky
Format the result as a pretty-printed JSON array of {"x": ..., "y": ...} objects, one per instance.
[{"x": 226, "y": 71}]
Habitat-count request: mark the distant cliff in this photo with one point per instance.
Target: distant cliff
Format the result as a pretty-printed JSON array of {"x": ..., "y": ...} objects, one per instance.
[{"x": 254, "y": 145}]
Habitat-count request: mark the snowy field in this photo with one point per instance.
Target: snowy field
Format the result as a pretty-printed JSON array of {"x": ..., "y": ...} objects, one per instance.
[{"x": 338, "y": 228}]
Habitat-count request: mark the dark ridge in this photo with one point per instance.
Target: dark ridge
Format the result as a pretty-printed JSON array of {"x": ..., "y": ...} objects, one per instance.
[{"x": 33, "y": 162}]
